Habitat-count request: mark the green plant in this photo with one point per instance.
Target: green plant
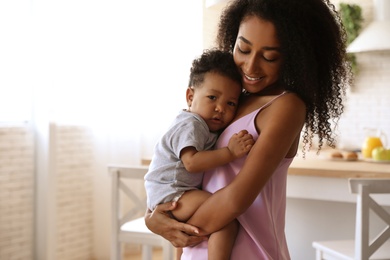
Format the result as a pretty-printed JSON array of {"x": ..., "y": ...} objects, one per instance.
[{"x": 351, "y": 16}]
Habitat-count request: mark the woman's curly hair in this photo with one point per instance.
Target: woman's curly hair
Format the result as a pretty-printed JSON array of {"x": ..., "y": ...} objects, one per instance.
[{"x": 313, "y": 45}]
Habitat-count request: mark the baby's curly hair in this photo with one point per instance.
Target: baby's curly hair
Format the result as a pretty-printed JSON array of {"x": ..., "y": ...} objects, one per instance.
[
  {"x": 313, "y": 45},
  {"x": 216, "y": 61}
]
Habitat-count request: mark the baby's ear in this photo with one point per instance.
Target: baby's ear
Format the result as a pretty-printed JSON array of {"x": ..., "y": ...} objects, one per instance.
[{"x": 189, "y": 95}]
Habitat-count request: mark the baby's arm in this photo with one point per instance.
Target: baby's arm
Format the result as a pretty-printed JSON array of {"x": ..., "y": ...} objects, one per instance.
[{"x": 199, "y": 161}]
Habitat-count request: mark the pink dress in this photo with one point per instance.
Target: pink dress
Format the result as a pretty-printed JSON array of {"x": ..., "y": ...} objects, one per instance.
[{"x": 261, "y": 235}]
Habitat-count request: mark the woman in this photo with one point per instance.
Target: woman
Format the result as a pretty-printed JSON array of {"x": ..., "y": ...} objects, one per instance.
[{"x": 291, "y": 55}]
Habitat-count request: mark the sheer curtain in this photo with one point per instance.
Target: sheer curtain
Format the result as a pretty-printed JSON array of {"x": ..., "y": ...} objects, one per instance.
[
  {"x": 118, "y": 67},
  {"x": 115, "y": 65}
]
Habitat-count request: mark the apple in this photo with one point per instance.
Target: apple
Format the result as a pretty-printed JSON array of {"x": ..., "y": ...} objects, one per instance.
[{"x": 381, "y": 154}]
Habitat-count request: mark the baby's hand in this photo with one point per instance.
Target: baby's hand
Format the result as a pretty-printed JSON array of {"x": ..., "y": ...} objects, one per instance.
[{"x": 241, "y": 143}]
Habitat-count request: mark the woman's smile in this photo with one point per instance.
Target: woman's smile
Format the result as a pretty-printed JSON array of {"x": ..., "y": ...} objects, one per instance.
[{"x": 251, "y": 78}]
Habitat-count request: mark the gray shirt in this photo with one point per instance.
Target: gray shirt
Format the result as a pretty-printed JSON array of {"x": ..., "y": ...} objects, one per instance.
[{"x": 167, "y": 177}]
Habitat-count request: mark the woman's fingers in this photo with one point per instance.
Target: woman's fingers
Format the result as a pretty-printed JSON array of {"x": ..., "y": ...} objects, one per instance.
[
  {"x": 166, "y": 206},
  {"x": 178, "y": 233},
  {"x": 183, "y": 235}
]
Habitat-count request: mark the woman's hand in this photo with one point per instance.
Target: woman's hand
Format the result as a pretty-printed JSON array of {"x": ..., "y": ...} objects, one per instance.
[{"x": 178, "y": 233}]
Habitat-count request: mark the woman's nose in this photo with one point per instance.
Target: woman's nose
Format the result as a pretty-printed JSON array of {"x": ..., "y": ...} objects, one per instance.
[{"x": 251, "y": 65}]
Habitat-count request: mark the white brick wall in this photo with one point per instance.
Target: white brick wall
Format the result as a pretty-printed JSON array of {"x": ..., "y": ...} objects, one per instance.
[
  {"x": 368, "y": 103},
  {"x": 16, "y": 192},
  {"x": 74, "y": 205},
  {"x": 74, "y": 195}
]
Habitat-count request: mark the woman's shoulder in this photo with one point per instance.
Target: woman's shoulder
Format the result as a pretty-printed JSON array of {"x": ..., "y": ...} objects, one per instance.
[
  {"x": 290, "y": 100},
  {"x": 287, "y": 105}
]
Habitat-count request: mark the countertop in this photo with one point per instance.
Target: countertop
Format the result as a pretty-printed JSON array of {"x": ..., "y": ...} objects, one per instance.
[
  {"x": 322, "y": 166},
  {"x": 317, "y": 177}
]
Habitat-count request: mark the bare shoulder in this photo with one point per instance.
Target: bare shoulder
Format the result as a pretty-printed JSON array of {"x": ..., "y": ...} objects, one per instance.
[
  {"x": 289, "y": 103},
  {"x": 286, "y": 108},
  {"x": 291, "y": 99}
]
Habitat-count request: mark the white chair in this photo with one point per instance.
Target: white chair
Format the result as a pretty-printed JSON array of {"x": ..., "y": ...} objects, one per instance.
[
  {"x": 129, "y": 227},
  {"x": 362, "y": 248}
]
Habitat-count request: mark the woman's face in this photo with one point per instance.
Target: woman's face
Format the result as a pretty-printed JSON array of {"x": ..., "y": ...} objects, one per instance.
[{"x": 257, "y": 54}]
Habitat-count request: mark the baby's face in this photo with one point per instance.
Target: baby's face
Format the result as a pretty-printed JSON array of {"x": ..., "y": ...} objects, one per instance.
[{"x": 215, "y": 101}]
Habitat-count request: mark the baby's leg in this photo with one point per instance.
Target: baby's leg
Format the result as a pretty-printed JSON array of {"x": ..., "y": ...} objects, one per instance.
[
  {"x": 179, "y": 252},
  {"x": 188, "y": 203},
  {"x": 221, "y": 242}
]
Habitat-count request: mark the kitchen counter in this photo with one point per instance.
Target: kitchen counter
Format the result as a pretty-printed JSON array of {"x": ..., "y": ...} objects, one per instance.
[
  {"x": 322, "y": 166},
  {"x": 320, "y": 178}
]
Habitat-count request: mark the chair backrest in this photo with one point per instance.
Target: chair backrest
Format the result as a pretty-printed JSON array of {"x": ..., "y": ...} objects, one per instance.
[
  {"x": 119, "y": 184},
  {"x": 364, "y": 248}
]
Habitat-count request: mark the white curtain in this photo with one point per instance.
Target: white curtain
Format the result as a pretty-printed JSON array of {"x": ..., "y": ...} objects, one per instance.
[
  {"x": 119, "y": 67},
  {"x": 116, "y": 65}
]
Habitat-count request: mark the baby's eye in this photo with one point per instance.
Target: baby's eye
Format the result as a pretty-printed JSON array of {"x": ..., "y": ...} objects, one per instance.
[
  {"x": 212, "y": 97},
  {"x": 232, "y": 104}
]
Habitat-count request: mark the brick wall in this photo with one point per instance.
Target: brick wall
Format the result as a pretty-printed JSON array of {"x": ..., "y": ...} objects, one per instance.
[
  {"x": 368, "y": 101},
  {"x": 74, "y": 198},
  {"x": 73, "y": 160},
  {"x": 16, "y": 192}
]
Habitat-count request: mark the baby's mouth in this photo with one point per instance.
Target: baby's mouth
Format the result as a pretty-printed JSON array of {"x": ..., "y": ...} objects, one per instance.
[{"x": 216, "y": 119}]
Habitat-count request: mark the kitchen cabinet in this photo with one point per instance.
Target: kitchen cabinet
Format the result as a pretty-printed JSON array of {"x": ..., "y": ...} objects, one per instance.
[{"x": 319, "y": 204}]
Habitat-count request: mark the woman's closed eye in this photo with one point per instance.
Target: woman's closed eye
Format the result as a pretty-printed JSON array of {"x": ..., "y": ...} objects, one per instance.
[
  {"x": 269, "y": 57},
  {"x": 243, "y": 51}
]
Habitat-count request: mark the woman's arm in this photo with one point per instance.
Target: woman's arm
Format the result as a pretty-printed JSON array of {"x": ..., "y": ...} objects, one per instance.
[
  {"x": 178, "y": 233},
  {"x": 280, "y": 125}
]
